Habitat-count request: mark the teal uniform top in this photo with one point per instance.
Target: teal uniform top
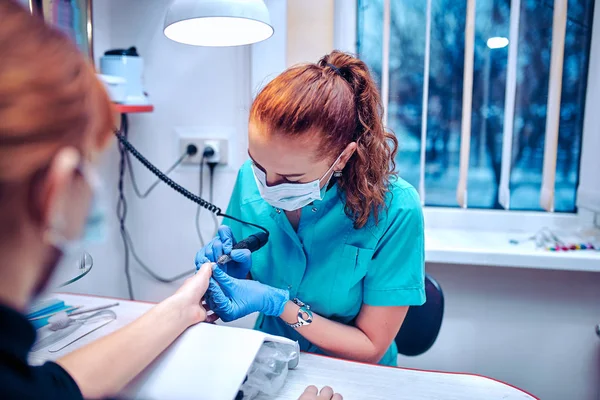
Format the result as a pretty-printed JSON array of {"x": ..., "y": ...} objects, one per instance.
[{"x": 330, "y": 265}]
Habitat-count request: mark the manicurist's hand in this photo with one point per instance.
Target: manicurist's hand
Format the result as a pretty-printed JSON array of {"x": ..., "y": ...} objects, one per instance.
[
  {"x": 232, "y": 298},
  {"x": 223, "y": 244}
]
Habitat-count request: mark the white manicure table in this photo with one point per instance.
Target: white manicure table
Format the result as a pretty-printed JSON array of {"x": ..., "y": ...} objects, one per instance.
[{"x": 353, "y": 380}]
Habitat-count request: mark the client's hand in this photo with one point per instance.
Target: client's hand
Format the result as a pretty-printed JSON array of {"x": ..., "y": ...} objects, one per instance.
[
  {"x": 232, "y": 298},
  {"x": 188, "y": 297},
  {"x": 312, "y": 393}
]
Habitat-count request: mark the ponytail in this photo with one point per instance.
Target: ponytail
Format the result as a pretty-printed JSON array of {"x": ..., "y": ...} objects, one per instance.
[{"x": 366, "y": 178}]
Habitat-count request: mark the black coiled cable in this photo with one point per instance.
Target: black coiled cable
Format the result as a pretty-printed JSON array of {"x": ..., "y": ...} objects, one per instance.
[
  {"x": 124, "y": 147},
  {"x": 177, "y": 187},
  {"x": 170, "y": 182}
]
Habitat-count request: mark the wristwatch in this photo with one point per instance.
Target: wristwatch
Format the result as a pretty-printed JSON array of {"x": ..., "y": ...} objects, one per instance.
[{"x": 304, "y": 314}]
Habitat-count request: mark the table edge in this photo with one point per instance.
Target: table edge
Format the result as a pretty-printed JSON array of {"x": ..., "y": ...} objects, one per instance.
[{"x": 428, "y": 370}]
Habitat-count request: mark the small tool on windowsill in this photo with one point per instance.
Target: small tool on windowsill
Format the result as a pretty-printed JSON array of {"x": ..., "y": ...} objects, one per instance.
[{"x": 547, "y": 240}]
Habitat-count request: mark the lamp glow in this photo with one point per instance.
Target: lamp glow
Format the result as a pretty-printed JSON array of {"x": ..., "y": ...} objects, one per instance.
[
  {"x": 497, "y": 42},
  {"x": 218, "y": 23}
]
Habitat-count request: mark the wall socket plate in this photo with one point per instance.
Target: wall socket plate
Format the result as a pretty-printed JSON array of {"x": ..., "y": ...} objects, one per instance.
[{"x": 201, "y": 143}]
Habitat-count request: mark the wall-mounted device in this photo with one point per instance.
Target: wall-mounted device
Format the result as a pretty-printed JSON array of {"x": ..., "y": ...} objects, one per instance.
[
  {"x": 126, "y": 64},
  {"x": 115, "y": 86}
]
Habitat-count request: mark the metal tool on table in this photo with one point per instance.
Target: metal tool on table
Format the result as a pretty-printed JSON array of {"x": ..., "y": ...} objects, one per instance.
[
  {"x": 75, "y": 310},
  {"x": 69, "y": 326},
  {"x": 87, "y": 310},
  {"x": 63, "y": 319},
  {"x": 55, "y": 350}
]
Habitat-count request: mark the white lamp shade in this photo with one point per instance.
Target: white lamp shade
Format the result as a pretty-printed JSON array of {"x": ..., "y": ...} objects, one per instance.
[{"x": 218, "y": 23}]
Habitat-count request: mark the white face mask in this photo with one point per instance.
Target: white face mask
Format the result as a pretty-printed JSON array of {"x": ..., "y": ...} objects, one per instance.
[{"x": 290, "y": 196}]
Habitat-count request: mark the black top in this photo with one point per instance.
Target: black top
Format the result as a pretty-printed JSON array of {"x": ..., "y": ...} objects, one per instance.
[
  {"x": 131, "y": 52},
  {"x": 18, "y": 380}
]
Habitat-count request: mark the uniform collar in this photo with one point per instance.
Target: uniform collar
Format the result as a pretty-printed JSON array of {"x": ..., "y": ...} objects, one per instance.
[
  {"x": 330, "y": 194},
  {"x": 17, "y": 335}
]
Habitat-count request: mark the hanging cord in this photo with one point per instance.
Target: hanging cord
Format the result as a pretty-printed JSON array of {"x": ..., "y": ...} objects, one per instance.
[
  {"x": 211, "y": 168},
  {"x": 129, "y": 249},
  {"x": 171, "y": 183},
  {"x": 199, "y": 208},
  {"x": 128, "y": 245},
  {"x": 208, "y": 152},
  {"x": 153, "y": 274},
  {"x": 122, "y": 207},
  {"x": 178, "y": 188},
  {"x": 136, "y": 188}
]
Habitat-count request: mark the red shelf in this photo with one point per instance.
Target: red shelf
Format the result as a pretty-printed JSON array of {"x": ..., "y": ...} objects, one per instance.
[{"x": 130, "y": 109}]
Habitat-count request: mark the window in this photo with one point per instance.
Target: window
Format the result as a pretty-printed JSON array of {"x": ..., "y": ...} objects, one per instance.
[{"x": 444, "y": 101}]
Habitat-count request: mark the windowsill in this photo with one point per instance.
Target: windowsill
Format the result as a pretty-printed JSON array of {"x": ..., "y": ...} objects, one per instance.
[{"x": 479, "y": 247}]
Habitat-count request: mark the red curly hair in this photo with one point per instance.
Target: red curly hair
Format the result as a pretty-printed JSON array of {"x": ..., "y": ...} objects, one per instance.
[{"x": 338, "y": 98}]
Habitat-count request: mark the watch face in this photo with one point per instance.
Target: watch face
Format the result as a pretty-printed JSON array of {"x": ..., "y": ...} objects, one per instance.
[{"x": 304, "y": 315}]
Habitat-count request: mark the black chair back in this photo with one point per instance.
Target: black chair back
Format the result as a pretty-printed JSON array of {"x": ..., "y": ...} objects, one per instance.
[{"x": 422, "y": 323}]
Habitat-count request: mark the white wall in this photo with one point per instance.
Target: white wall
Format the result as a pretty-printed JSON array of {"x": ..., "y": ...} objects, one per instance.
[
  {"x": 531, "y": 328},
  {"x": 309, "y": 30},
  {"x": 268, "y": 58},
  {"x": 189, "y": 87}
]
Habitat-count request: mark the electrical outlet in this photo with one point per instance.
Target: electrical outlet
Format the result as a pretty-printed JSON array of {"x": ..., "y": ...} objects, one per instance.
[
  {"x": 215, "y": 145},
  {"x": 219, "y": 145}
]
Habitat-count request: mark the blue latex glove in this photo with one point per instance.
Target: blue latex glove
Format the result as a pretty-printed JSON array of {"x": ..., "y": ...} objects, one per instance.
[
  {"x": 232, "y": 298},
  {"x": 223, "y": 244}
]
